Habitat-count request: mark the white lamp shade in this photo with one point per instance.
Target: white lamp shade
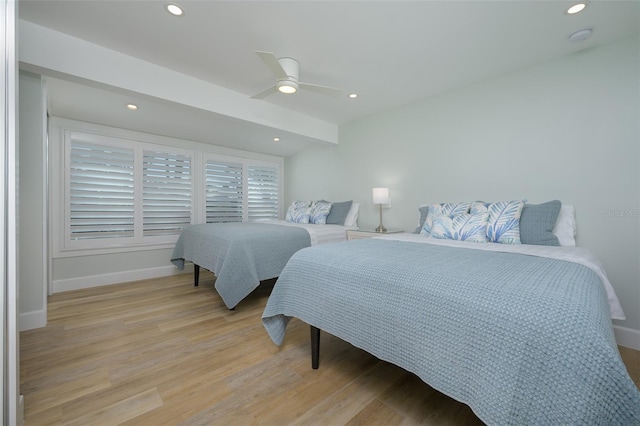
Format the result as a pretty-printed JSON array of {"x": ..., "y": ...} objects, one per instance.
[{"x": 380, "y": 195}]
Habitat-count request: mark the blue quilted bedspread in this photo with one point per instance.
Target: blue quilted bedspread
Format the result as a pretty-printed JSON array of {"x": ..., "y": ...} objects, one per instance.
[
  {"x": 239, "y": 254},
  {"x": 522, "y": 340}
]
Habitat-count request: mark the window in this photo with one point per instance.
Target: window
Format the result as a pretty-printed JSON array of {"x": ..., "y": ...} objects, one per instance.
[
  {"x": 224, "y": 191},
  {"x": 167, "y": 193},
  {"x": 239, "y": 191},
  {"x": 109, "y": 198},
  {"x": 264, "y": 190},
  {"x": 101, "y": 199},
  {"x": 127, "y": 192}
]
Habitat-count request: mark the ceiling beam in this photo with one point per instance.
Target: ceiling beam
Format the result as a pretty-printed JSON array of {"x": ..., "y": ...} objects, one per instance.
[{"x": 50, "y": 52}]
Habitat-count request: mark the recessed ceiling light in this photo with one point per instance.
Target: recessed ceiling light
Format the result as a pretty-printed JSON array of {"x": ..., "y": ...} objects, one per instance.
[
  {"x": 276, "y": 139},
  {"x": 353, "y": 95},
  {"x": 174, "y": 9},
  {"x": 132, "y": 107},
  {"x": 578, "y": 7}
]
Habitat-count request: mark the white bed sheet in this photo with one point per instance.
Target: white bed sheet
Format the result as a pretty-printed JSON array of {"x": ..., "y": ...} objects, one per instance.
[
  {"x": 320, "y": 234},
  {"x": 573, "y": 254}
]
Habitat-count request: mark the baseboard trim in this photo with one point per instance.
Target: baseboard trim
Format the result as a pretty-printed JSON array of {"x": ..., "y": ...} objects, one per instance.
[
  {"x": 117, "y": 277},
  {"x": 627, "y": 337},
  {"x": 31, "y": 320},
  {"x": 20, "y": 413}
]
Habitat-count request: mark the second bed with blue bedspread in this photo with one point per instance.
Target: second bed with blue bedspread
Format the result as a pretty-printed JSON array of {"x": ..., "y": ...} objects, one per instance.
[{"x": 239, "y": 254}]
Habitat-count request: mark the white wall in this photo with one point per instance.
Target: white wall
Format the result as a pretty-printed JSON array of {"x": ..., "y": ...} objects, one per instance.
[
  {"x": 567, "y": 129},
  {"x": 31, "y": 204}
]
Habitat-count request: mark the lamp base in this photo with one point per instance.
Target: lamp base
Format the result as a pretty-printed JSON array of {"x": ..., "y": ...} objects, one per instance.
[{"x": 381, "y": 229}]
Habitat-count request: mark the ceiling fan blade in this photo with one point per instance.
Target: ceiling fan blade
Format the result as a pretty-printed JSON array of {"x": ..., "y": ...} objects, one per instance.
[
  {"x": 324, "y": 90},
  {"x": 265, "y": 93},
  {"x": 272, "y": 62}
]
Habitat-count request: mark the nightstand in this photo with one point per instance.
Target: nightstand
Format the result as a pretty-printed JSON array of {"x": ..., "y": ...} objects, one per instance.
[{"x": 369, "y": 233}]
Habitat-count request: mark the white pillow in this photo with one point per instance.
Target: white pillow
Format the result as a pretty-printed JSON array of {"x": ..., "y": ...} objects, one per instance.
[
  {"x": 565, "y": 228},
  {"x": 352, "y": 216},
  {"x": 299, "y": 212},
  {"x": 319, "y": 212},
  {"x": 447, "y": 209},
  {"x": 463, "y": 227}
]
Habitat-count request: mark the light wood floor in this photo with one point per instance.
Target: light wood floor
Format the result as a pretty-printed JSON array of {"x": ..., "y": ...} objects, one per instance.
[{"x": 161, "y": 352}]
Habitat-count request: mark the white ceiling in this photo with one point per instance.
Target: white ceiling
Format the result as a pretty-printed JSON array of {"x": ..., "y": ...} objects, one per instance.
[{"x": 391, "y": 53}]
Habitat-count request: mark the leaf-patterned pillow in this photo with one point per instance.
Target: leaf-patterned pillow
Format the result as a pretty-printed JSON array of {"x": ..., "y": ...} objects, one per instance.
[
  {"x": 319, "y": 212},
  {"x": 463, "y": 227},
  {"x": 444, "y": 209},
  {"x": 504, "y": 220},
  {"x": 299, "y": 212}
]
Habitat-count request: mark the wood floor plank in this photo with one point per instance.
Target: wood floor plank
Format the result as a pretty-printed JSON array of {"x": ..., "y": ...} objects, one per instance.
[
  {"x": 376, "y": 413},
  {"x": 359, "y": 393},
  {"x": 66, "y": 389},
  {"x": 163, "y": 352},
  {"x": 121, "y": 411},
  {"x": 631, "y": 359}
]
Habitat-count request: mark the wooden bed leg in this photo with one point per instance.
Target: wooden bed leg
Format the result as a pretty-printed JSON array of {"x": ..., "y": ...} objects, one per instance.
[
  {"x": 196, "y": 274},
  {"x": 315, "y": 347}
]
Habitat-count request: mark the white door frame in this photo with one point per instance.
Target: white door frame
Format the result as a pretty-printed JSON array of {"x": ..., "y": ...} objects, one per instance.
[{"x": 11, "y": 401}]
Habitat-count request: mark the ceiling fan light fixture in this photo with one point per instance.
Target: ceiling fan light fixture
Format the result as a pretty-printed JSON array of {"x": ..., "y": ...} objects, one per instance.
[
  {"x": 287, "y": 87},
  {"x": 286, "y": 71}
]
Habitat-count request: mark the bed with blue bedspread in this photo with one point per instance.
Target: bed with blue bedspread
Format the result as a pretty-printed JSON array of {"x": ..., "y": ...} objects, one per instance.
[
  {"x": 523, "y": 335},
  {"x": 243, "y": 254}
]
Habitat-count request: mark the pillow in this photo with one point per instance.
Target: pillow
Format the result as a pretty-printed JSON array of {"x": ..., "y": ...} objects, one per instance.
[
  {"x": 537, "y": 222},
  {"x": 319, "y": 212},
  {"x": 298, "y": 212},
  {"x": 423, "y": 210},
  {"x": 447, "y": 209},
  {"x": 463, "y": 227},
  {"x": 504, "y": 220},
  {"x": 565, "y": 228},
  {"x": 339, "y": 212},
  {"x": 352, "y": 217}
]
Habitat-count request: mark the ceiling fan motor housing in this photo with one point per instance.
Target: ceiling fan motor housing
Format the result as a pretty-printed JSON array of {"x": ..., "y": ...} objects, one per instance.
[{"x": 291, "y": 67}]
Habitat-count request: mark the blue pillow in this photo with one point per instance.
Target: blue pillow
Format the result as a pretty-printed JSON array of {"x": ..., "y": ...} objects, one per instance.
[
  {"x": 339, "y": 212},
  {"x": 424, "y": 211},
  {"x": 537, "y": 222}
]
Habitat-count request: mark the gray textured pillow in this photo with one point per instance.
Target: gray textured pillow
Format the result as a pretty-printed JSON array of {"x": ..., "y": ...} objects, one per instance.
[
  {"x": 339, "y": 212},
  {"x": 424, "y": 211},
  {"x": 537, "y": 222}
]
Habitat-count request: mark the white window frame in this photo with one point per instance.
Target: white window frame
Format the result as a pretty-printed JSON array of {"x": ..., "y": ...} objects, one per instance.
[{"x": 60, "y": 133}]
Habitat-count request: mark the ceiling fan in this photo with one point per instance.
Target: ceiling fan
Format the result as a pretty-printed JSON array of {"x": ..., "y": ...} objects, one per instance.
[{"x": 286, "y": 71}]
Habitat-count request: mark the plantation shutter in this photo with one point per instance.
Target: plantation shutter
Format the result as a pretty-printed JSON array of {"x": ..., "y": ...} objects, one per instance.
[
  {"x": 166, "y": 192},
  {"x": 223, "y": 191},
  {"x": 263, "y": 191},
  {"x": 101, "y": 199}
]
